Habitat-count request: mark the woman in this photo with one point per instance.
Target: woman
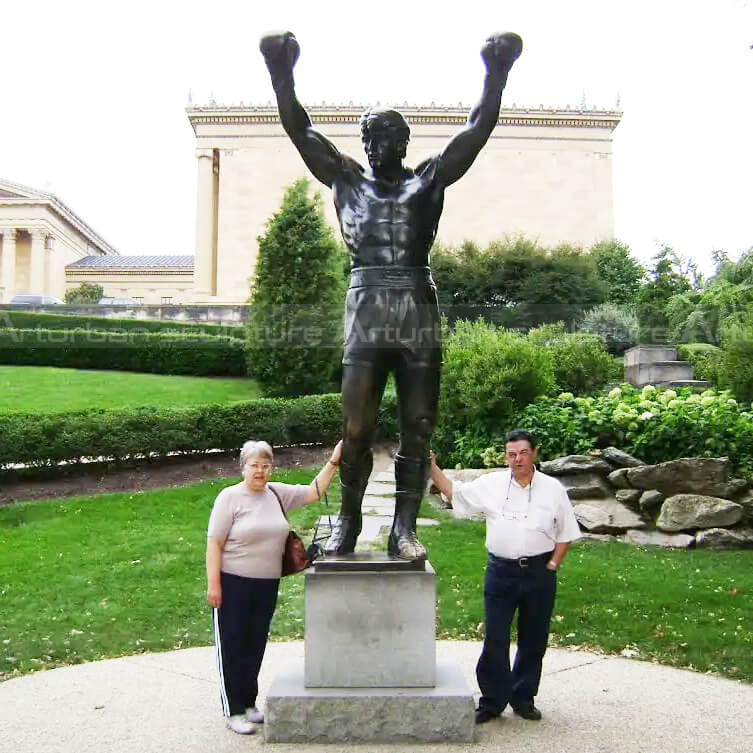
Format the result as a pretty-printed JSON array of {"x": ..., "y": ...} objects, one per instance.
[{"x": 245, "y": 542}]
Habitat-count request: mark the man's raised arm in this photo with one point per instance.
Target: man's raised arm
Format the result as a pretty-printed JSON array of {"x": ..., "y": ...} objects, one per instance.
[
  {"x": 320, "y": 155},
  {"x": 499, "y": 52}
]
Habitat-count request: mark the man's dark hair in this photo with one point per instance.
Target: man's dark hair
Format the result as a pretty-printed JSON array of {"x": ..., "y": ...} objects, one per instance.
[
  {"x": 519, "y": 435},
  {"x": 378, "y": 119}
]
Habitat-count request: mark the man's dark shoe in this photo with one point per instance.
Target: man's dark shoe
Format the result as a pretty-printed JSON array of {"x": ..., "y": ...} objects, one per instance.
[
  {"x": 529, "y": 712},
  {"x": 484, "y": 715}
]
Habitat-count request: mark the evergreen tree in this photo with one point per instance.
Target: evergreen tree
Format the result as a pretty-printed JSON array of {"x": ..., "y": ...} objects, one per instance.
[{"x": 294, "y": 340}]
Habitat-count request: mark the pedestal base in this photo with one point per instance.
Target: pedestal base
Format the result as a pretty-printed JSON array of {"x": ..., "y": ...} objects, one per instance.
[
  {"x": 370, "y": 623},
  {"x": 297, "y": 714}
]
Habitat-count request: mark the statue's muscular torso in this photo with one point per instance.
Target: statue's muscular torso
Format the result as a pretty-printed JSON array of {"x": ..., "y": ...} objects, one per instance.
[{"x": 384, "y": 223}]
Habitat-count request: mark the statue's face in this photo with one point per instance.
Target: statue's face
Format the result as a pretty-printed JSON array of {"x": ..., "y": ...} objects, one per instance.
[{"x": 383, "y": 149}]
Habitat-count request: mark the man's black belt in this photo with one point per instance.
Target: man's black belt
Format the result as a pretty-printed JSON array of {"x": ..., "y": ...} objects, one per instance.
[
  {"x": 522, "y": 562},
  {"x": 390, "y": 277}
]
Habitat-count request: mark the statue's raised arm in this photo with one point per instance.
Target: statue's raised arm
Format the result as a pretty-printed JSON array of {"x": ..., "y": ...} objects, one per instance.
[
  {"x": 499, "y": 52},
  {"x": 281, "y": 52}
]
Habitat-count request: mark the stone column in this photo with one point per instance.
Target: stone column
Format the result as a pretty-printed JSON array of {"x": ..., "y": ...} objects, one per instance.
[
  {"x": 50, "y": 280},
  {"x": 202, "y": 269},
  {"x": 8, "y": 271},
  {"x": 37, "y": 260}
]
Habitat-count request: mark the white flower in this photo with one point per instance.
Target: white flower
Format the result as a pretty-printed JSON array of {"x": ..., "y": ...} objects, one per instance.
[
  {"x": 646, "y": 415},
  {"x": 615, "y": 393}
]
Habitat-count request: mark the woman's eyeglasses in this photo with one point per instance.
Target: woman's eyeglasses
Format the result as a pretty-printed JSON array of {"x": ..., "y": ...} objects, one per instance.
[{"x": 266, "y": 467}]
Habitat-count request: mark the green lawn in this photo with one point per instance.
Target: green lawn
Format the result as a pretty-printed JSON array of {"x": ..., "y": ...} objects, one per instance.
[
  {"x": 95, "y": 577},
  {"x": 48, "y": 389}
]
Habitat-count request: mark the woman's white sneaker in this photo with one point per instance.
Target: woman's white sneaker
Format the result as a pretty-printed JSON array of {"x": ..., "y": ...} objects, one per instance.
[
  {"x": 239, "y": 724},
  {"x": 254, "y": 715}
]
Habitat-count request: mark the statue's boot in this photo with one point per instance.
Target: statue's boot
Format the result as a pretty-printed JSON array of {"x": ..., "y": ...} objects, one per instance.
[
  {"x": 410, "y": 477},
  {"x": 353, "y": 479}
]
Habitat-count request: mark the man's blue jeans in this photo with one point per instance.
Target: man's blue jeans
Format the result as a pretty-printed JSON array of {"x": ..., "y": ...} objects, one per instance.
[{"x": 530, "y": 589}]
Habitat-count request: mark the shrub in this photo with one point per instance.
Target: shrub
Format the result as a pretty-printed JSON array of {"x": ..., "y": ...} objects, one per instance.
[
  {"x": 736, "y": 367},
  {"x": 652, "y": 424},
  {"x": 295, "y": 320},
  {"x": 10, "y": 319},
  {"x": 159, "y": 353},
  {"x": 85, "y": 293},
  {"x": 487, "y": 374},
  {"x": 618, "y": 325},
  {"x": 706, "y": 360},
  {"x": 581, "y": 363},
  {"x": 48, "y": 439}
]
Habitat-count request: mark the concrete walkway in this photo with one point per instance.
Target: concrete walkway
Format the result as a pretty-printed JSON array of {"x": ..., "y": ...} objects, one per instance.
[{"x": 169, "y": 703}]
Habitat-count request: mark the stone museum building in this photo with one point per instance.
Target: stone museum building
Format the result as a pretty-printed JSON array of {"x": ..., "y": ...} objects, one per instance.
[{"x": 545, "y": 173}]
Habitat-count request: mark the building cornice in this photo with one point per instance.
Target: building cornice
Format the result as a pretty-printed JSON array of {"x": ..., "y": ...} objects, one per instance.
[
  {"x": 431, "y": 115},
  {"x": 126, "y": 271},
  {"x": 33, "y": 197}
]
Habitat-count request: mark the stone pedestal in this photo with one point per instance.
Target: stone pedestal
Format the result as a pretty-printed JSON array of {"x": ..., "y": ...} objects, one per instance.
[
  {"x": 297, "y": 714},
  {"x": 370, "y": 628},
  {"x": 370, "y": 672},
  {"x": 657, "y": 364}
]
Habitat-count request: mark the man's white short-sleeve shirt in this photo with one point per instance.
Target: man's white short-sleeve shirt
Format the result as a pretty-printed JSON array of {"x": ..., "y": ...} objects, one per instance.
[{"x": 520, "y": 521}]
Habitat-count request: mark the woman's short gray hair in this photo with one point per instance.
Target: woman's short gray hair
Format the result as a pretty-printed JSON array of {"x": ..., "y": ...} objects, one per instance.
[{"x": 254, "y": 448}]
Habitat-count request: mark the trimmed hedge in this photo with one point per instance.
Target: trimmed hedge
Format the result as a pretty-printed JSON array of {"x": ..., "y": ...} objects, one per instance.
[
  {"x": 159, "y": 353},
  {"x": 11, "y": 319},
  {"x": 47, "y": 439}
]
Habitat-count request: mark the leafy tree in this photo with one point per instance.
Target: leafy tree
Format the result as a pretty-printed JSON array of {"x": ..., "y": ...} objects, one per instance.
[
  {"x": 670, "y": 276},
  {"x": 295, "y": 319},
  {"x": 84, "y": 293},
  {"x": 515, "y": 282},
  {"x": 619, "y": 270},
  {"x": 701, "y": 315}
]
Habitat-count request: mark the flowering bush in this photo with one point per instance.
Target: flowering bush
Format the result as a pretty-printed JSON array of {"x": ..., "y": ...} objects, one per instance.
[{"x": 653, "y": 424}]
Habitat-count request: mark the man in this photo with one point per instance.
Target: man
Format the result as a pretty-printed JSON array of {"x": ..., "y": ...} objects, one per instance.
[
  {"x": 388, "y": 216},
  {"x": 529, "y": 527}
]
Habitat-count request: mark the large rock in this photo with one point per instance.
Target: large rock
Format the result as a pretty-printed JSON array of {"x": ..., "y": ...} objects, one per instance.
[
  {"x": 618, "y": 478},
  {"x": 619, "y": 458},
  {"x": 747, "y": 504},
  {"x": 470, "y": 474},
  {"x": 657, "y": 538},
  {"x": 585, "y": 486},
  {"x": 688, "y": 512},
  {"x": 628, "y": 497},
  {"x": 606, "y": 516},
  {"x": 709, "y": 476},
  {"x": 570, "y": 464},
  {"x": 650, "y": 501},
  {"x": 725, "y": 538},
  {"x": 464, "y": 475}
]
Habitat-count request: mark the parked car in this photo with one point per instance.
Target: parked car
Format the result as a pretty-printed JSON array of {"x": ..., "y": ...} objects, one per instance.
[
  {"x": 111, "y": 301},
  {"x": 36, "y": 300}
]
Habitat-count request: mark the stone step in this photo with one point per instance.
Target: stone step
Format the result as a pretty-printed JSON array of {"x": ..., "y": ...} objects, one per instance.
[{"x": 696, "y": 383}]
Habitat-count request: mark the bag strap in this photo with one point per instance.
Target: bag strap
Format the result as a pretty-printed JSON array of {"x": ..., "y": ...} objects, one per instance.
[{"x": 279, "y": 500}]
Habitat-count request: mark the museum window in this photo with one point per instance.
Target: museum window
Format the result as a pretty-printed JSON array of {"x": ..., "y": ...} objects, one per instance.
[{"x": 167, "y": 300}]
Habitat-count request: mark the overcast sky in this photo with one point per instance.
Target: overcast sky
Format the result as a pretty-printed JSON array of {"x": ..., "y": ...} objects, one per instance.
[{"x": 93, "y": 97}]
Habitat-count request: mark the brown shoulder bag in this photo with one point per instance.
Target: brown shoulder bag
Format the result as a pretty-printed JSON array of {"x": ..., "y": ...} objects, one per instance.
[{"x": 294, "y": 557}]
